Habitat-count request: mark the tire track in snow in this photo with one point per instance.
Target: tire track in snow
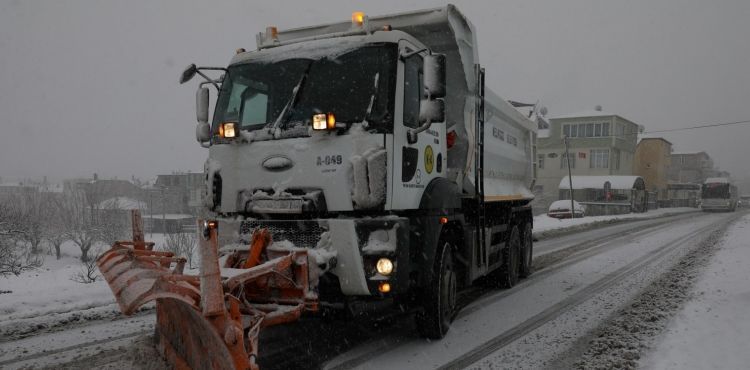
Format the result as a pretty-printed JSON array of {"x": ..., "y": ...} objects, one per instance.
[
  {"x": 69, "y": 352},
  {"x": 554, "y": 311},
  {"x": 475, "y": 298}
]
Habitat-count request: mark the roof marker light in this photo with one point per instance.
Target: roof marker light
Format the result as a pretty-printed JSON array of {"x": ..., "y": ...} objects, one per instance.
[
  {"x": 358, "y": 19},
  {"x": 272, "y": 33}
]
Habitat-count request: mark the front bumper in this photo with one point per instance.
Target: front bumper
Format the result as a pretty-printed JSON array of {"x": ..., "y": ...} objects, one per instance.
[{"x": 357, "y": 243}]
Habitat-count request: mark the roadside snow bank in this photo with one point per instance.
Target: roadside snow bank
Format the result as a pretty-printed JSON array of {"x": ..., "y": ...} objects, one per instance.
[
  {"x": 545, "y": 226},
  {"x": 712, "y": 331}
]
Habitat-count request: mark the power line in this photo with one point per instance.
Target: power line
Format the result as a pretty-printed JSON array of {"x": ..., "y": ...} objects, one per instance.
[{"x": 700, "y": 126}]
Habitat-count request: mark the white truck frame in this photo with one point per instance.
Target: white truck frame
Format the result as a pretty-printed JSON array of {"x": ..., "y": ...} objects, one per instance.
[{"x": 445, "y": 202}]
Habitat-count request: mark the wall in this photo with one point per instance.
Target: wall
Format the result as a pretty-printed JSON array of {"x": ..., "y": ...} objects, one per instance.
[{"x": 652, "y": 159}]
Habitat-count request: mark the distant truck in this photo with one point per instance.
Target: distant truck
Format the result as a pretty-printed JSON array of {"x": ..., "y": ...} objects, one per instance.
[
  {"x": 719, "y": 194},
  {"x": 377, "y": 141}
]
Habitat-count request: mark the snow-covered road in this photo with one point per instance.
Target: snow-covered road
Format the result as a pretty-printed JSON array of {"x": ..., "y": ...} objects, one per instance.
[
  {"x": 534, "y": 323},
  {"x": 581, "y": 280},
  {"x": 712, "y": 330}
]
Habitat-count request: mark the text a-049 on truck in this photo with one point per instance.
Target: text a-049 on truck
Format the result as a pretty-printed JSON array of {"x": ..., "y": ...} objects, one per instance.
[{"x": 376, "y": 143}]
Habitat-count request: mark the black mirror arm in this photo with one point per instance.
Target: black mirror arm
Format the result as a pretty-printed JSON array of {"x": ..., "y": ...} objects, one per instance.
[
  {"x": 411, "y": 135},
  {"x": 209, "y": 80}
]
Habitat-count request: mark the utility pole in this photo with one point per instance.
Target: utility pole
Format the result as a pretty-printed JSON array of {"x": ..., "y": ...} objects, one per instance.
[
  {"x": 163, "y": 212},
  {"x": 151, "y": 210},
  {"x": 570, "y": 179}
]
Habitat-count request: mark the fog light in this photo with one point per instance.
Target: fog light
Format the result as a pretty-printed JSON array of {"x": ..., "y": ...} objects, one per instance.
[
  {"x": 384, "y": 287},
  {"x": 384, "y": 266}
]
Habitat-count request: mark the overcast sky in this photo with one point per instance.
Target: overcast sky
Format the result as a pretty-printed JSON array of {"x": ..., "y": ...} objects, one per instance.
[{"x": 91, "y": 86}]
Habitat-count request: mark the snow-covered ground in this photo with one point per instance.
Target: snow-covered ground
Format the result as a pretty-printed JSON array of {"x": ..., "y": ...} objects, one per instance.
[
  {"x": 712, "y": 331},
  {"x": 50, "y": 291},
  {"x": 536, "y": 322},
  {"x": 544, "y": 223},
  {"x": 602, "y": 269}
]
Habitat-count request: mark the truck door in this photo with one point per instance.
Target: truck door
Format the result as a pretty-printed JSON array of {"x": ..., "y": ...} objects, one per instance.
[{"x": 415, "y": 163}]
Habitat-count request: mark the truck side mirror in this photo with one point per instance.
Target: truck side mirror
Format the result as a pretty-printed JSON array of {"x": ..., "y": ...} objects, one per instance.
[
  {"x": 188, "y": 73},
  {"x": 431, "y": 111},
  {"x": 203, "y": 132},
  {"x": 434, "y": 75},
  {"x": 201, "y": 104}
]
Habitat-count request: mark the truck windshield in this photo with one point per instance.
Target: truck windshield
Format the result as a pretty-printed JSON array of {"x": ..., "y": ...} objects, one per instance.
[
  {"x": 356, "y": 85},
  {"x": 715, "y": 191}
]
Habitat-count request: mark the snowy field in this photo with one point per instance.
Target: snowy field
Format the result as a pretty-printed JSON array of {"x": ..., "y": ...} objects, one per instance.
[
  {"x": 49, "y": 293},
  {"x": 712, "y": 331}
]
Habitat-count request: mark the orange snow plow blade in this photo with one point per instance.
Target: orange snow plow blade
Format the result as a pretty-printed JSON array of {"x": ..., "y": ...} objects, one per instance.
[{"x": 211, "y": 321}]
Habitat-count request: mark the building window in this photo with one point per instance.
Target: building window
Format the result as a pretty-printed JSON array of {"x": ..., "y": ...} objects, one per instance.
[
  {"x": 540, "y": 159},
  {"x": 564, "y": 162},
  {"x": 586, "y": 129},
  {"x": 599, "y": 158},
  {"x": 620, "y": 129}
]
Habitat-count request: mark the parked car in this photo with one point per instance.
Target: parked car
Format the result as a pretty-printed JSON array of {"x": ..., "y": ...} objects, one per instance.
[{"x": 561, "y": 209}]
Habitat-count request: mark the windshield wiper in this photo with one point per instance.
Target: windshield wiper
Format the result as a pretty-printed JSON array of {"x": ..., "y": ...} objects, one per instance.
[
  {"x": 293, "y": 101},
  {"x": 366, "y": 120}
]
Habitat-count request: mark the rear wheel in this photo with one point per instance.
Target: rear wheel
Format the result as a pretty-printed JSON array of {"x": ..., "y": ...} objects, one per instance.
[
  {"x": 527, "y": 251},
  {"x": 439, "y": 310},
  {"x": 510, "y": 269}
]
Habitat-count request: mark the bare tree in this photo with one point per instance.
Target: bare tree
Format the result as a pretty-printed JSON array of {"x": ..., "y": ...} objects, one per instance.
[
  {"x": 79, "y": 223},
  {"x": 182, "y": 244},
  {"x": 34, "y": 211},
  {"x": 113, "y": 221},
  {"x": 13, "y": 259},
  {"x": 88, "y": 273},
  {"x": 54, "y": 228}
]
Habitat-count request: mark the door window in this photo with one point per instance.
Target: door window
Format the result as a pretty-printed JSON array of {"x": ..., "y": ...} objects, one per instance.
[{"x": 413, "y": 90}]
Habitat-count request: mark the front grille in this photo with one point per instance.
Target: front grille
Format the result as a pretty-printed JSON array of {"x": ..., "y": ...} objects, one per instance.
[{"x": 303, "y": 234}]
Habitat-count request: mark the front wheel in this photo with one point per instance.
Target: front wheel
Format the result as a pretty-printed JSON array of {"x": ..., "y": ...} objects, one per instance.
[{"x": 439, "y": 310}]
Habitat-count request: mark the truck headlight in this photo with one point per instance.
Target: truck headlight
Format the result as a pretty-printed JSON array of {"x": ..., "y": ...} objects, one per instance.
[
  {"x": 323, "y": 121},
  {"x": 384, "y": 266},
  {"x": 228, "y": 130}
]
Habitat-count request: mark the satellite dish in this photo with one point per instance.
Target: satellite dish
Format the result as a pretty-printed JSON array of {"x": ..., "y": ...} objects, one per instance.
[
  {"x": 598, "y": 108},
  {"x": 641, "y": 128},
  {"x": 543, "y": 111}
]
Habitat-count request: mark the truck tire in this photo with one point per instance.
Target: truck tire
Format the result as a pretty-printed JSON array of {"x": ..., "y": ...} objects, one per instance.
[
  {"x": 510, "y": 269},
  {"x": 527, "y": 251},
  {"x": 439, "y": 308}
]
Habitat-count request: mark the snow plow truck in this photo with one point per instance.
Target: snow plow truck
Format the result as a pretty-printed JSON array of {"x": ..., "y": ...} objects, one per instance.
[{"x": 354, "y": 162}]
